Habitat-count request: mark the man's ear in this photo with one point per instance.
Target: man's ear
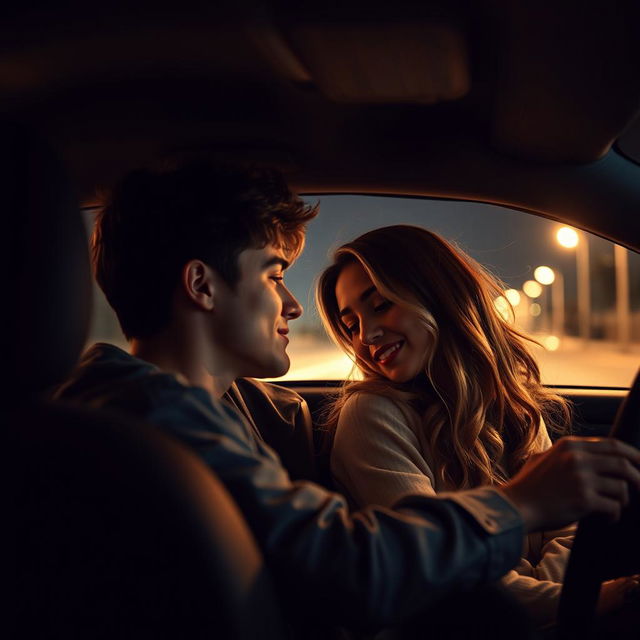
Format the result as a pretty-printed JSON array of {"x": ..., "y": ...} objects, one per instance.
[{"x": 199, "y": 282}]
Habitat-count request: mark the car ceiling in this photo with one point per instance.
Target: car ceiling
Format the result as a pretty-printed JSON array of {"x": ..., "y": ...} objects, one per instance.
[{"x": 512, "y": 102}]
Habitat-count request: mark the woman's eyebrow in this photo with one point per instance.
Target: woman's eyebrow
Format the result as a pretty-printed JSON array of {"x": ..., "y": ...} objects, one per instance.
[{"x": 363, "y": 296}]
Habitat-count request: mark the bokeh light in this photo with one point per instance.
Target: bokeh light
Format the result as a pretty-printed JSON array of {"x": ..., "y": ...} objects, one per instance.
[
  {"x": 567, "y": 237},
  {"x": 503, "y": 307},
  {"x": 513, "y": 296},
  {"x": 544, "y": 275},
  {"x": 532, "y": 288}
]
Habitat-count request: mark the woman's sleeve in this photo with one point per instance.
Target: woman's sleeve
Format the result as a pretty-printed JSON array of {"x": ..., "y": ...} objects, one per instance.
[
  {"x": 550, "y": 549},
  {"x": 539, "y": 597},
  {"x": 376, "y": 457},
  {"x": 536, "y": 582}
]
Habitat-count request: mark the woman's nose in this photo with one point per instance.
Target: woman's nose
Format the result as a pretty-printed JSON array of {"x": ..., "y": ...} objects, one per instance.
[{"x": 370, "y": 333}]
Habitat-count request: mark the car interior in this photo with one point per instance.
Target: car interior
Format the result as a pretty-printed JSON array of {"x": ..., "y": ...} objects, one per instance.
[{"x": 531, "y": 106}]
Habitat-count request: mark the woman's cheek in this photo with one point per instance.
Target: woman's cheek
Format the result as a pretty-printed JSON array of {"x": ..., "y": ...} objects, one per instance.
[{"x": 363, "y": 353}]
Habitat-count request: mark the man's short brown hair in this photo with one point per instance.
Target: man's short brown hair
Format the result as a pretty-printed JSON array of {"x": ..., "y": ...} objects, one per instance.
[{"x": 154, "y": 222}]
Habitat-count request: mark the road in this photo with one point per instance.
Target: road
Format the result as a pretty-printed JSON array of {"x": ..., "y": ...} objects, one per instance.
[{"x": 592, "y": 364}]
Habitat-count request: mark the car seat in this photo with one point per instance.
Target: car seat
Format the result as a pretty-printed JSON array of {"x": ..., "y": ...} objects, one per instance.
[{"x": 115, "y": 530}]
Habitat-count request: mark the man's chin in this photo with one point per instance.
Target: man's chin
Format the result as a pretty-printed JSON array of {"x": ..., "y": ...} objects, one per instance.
[{"x": 272, "y": 369}]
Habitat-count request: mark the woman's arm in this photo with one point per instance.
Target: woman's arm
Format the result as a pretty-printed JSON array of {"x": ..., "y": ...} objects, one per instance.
[
  {"x": 536, "y": 582},
  {"x": 548, "y": 551}
]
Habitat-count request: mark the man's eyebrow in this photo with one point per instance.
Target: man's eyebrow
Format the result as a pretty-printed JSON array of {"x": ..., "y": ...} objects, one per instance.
[
  {"x": 363, "y": 296},
  {"x": 276, "y": 260}
]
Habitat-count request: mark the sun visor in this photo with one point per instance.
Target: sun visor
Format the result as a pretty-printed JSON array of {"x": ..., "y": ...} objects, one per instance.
[
  {"x": 567, "y": 81},
  {"x": 377, "y": 62}
]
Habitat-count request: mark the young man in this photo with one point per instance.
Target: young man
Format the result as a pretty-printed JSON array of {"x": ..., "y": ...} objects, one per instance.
[{"x": 192, "y": 261}]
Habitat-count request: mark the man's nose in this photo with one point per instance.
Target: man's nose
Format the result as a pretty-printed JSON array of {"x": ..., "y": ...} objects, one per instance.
[{"x": 291, "y": 308}]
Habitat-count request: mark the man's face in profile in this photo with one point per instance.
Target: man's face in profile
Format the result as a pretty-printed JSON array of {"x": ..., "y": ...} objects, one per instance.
[{"x": 252, "y": 320}]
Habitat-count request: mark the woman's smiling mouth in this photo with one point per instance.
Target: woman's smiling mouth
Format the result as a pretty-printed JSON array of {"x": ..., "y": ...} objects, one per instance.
[{"x": 387, "y": 352}]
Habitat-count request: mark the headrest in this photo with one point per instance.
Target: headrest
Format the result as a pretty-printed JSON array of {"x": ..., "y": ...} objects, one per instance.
[{"x": 46, "y": 288}]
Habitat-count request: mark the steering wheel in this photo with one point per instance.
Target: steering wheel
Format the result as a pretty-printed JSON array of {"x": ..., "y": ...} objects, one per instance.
[{"x": 601, "y": 550}]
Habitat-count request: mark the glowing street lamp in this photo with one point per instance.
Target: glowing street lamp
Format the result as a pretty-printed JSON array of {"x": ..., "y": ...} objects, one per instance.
[
  {"x": 544, "y": 275},
  {"x": 518, "y": 308},
  {"x": 532, "y": 288},
  {"x": 551, "y": 343},
  {"x": 548, "y": 277},
  {"x": 513, "y": 296},
  {"x": 569, "y": 238},
  {"x": 503, "y": 308}
]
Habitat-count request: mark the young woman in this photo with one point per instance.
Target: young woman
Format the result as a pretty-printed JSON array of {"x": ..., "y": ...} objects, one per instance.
[{"x": 451, "y": 397}]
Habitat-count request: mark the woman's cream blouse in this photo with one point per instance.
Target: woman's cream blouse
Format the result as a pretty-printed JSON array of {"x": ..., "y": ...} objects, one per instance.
[{"x": 380, "y": 454}]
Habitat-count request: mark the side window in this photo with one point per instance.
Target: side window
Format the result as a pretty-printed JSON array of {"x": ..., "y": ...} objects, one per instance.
[{"x": 575, "y": 293}]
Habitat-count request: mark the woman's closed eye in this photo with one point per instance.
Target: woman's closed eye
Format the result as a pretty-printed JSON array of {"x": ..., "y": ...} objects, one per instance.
[
  {"x": 350, "y": 324},
  {"x": 382, "y": 306},
  {"x": 353, "y": 327}
]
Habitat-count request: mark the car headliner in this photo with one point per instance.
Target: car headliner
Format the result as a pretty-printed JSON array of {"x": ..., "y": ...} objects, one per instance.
[{"x": 502, "y": 101}]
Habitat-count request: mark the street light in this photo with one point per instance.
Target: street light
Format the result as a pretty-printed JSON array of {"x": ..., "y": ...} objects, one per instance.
[
  {"x": 513, "y": 296},
  {"x": 503, "y": 307},
  {"x": 519, "y": 311},
  {"x": 569, "y": 238},
  {"x": 532, "y": 288},
  {"x": 548, "y": 276},
  {"x": 544, "y": 275},
  {"x": 623, "y": 311}
]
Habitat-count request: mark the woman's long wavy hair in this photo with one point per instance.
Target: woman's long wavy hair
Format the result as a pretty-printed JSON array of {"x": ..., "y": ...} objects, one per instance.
[{"x": 480, "y": 398}]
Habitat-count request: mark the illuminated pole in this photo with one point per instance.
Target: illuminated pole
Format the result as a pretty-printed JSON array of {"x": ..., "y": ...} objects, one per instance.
[
  {"x": 545, "y": 304},
  {"x": 557, "y": 298},
  {"x": 553, "y": 278},
  {"x": 623, "y": 315},
  {"x": 533, "y": 290},
  {"x": 584, "y": 287},
  {"x": 545, "y": 276},
  {"x": 569, "y": 238}
]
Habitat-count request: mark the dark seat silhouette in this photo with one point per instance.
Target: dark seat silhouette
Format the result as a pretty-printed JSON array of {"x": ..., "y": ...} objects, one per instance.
[{"x": 116, "y": 531}]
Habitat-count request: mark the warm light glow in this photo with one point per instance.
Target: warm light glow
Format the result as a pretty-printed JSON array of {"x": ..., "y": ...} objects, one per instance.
[
  {"x": 532, "y": 288},
  {"x": 503, "y": 307},
  {"x": 551, "y": 342},
  {"x": 544, "y": 275},
  {"x": 535, "y": 309},
  {"x": 567, "y": 237},
  {"x": 513, "y": 296}
]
